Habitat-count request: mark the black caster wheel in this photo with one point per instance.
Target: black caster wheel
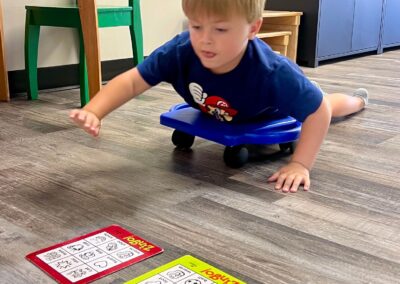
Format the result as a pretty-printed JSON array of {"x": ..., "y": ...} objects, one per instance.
[
  {"x": 236, "y": 156},
  {"x": 291, "y": 146},
  {"x": 182, "y": 140}
]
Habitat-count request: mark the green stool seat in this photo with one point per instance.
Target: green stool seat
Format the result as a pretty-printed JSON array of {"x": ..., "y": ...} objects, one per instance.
[{"x": 68, "y": 17}]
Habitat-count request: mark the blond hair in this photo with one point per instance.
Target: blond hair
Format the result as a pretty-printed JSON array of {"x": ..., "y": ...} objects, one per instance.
[{"x": 251, "y": 9}]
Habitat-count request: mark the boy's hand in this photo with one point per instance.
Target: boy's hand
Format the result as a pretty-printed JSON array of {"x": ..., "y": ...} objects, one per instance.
[
  {"x": 86, "y": 120},
  {"x": 290, "y": 177}
]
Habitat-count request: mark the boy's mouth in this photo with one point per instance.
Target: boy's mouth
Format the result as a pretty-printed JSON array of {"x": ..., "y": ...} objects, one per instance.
[{"x": 208, "y": 54}]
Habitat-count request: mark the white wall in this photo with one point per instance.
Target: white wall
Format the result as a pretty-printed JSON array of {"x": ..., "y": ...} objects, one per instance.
[{"x": 161, "y": 20}]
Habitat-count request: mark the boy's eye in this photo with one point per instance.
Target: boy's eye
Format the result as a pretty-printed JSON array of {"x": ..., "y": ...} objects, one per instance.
[
  {"x": 195, "y": 27},
  {"x": 221, "y": 30}
]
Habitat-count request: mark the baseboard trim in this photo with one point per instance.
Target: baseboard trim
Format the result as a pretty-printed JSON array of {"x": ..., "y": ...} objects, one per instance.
[{"x": 64, "y": 76}]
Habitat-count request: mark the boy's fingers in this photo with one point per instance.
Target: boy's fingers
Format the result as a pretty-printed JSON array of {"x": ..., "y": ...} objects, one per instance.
[
  {"x": 274, "y": 177},
  {"x": 82, "y": 115},
  {"x": 73, "y": 113},
  {"x": 90, "y": 121},
  {"x": 288, "y": 183},
  {"x": 96, "y": 131},
  {"x": 90, "y": 130},
  {"x": 296, "y": 183},
  {"x": 86, "y": 120},
  {"x": 307, "y": 184},
  {"x": 280, "y": 181}
]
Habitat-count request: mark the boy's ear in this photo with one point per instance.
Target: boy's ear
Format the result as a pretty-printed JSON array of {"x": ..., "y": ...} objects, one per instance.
[{"x": 255, "y": 28}]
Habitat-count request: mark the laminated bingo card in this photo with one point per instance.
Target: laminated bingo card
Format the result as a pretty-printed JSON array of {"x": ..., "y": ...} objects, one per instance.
[
  {"x": 186, "y": 270},
  {"x": 92, "y": 256}
]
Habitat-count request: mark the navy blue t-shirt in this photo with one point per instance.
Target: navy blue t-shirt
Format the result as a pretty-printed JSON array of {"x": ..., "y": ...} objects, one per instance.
[{"x": 263, "y": 84}]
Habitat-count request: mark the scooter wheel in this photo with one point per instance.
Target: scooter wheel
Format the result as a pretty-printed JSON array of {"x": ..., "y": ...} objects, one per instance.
[
  {"x": 236, "y": 156},
  {"x": 182, "y": 140},
  {"x": 291, "y": 146}
]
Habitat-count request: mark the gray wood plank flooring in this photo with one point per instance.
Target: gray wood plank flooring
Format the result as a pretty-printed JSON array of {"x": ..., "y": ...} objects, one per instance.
[{"x": 57, "y": 183}]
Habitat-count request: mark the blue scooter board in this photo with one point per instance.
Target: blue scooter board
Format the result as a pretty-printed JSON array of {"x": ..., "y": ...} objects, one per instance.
[{"x": 190, "y": 122}]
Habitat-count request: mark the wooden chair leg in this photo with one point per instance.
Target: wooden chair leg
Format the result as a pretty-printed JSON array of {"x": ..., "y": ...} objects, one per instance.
[
  {"x": 31, "y": 57},
  {"x": 4, "y": 91},
  {"x": 89, "y": 22}
]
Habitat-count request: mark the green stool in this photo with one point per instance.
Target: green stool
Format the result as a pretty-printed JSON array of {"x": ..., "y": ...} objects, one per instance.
[{"x": 68, "y": 17}]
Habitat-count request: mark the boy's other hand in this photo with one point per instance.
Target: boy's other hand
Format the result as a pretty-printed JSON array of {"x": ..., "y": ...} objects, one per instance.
[
  {"x": 86, "y": 120},
  {"x": 290, "y": 177}
]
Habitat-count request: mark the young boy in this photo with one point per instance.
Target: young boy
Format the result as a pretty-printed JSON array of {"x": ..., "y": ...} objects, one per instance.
[{"x": 220, "y": 67}]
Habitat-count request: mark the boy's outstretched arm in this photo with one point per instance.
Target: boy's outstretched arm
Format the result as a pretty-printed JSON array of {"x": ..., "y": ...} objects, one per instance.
[
  {"x": 297, "y": 172},
  {"x": 117, "y": 92}
]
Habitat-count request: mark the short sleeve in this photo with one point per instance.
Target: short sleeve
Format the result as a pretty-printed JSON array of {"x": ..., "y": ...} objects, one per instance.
[
  {"x": 162, "y": 64},
  {"x": 293, "y": 93}
]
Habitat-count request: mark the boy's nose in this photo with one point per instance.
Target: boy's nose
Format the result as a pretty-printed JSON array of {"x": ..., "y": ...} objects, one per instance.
[{"x": 206, "y": 38}]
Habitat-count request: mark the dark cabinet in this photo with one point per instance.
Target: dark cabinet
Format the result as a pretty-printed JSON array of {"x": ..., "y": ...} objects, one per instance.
[
  {"x": 333, "y": 33},
  {"x": 336, "y": 28},
  {"x": 367, "y": 24},
  {"x": 391, "y": 24}
]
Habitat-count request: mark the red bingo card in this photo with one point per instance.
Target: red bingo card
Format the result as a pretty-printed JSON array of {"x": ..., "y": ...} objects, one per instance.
[{"x": 92, "y": 256}]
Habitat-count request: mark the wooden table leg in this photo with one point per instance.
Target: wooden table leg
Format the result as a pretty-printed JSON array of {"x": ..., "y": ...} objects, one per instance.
[
  {"x": 4, "y": 92},
  {"x": 89, "y": 22}
]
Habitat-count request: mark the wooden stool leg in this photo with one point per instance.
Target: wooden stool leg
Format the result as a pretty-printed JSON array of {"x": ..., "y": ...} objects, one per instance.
[{"x": 31, "y": 57}]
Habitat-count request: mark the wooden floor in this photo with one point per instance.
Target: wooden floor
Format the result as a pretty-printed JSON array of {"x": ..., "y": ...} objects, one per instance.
[{"x": 57, "y": 183}]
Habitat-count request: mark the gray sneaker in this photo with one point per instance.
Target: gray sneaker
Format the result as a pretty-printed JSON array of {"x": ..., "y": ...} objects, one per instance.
[{"x": 362, "y": 94}]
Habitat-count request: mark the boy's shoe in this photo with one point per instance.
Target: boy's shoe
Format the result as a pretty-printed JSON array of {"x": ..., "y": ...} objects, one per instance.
[
  {"x": 362, "y": 94},
  {"x": 359, "y": 93}
]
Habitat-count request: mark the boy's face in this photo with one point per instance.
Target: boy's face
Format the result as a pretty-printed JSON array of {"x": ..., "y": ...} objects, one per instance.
[{"x": 221, "y": 42}]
